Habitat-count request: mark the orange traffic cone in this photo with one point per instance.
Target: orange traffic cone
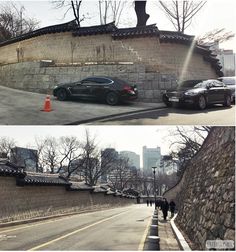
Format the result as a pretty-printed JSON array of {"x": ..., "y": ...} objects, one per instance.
[{"x": 47, "y": 104}]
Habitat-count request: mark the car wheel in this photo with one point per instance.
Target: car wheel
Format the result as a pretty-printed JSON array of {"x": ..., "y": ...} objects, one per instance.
[
  {"x": 62, "y": 95},
  {"x": 165, "y": 100},
  {"x": 112, "y": 98},
  {"x": 227, "y": 102},
  {"x": 201, "y": 102}
]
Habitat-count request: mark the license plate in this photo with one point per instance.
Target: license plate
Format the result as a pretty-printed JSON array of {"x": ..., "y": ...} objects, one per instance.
[{"x": 174, "y": 99}]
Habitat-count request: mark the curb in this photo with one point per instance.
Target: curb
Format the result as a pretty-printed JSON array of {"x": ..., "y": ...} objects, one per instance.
[
  {"x": 179, "y": 237},
  {"x": 160, "y": 106}
]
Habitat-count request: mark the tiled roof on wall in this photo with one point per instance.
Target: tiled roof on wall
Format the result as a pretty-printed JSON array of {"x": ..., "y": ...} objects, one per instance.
[
  {"x": 94, "y": 30},
  {"x": 143, "y": 31},
  {"x": 66, "y": 27},
  {"x": 9, "y": 169},
  {"x": 34, "y": 178},
  {"x": 98, "y": 189},
  {"x": 80, "y": 186},
  {"x": 175, "y": 37}
]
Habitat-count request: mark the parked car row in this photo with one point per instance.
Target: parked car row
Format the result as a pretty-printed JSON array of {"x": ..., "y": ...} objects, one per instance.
[
  {"x": 199, "y": 93},
  {"x": 112, "y": 90}
]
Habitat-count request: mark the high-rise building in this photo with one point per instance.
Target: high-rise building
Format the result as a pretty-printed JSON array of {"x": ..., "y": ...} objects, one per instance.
[
  {"x": 151, "y": 158},
  {"x": 134, "y": 159}
]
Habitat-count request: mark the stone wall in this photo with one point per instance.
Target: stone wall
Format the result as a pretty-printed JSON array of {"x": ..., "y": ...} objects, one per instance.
[
  {"x": 42, "y": 77},
  {"x": 31, "y": 201},
  {"x": 155, "y": 65},
  {"x": 207, "y": 196},
  {"x": 65, "y": 48}
]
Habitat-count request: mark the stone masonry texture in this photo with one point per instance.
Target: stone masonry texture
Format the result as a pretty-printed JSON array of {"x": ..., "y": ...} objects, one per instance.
[
  {"x": 207, "y": 195},
  {"x": 31, "y": 201},
  {"x": 151, "y": 65}
]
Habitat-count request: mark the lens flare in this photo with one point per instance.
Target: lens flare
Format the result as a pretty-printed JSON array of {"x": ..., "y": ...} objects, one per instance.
[{"x": 187, "y": 60}]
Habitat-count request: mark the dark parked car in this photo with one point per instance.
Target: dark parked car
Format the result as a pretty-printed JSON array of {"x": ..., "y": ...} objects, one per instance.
[
  {"x": 231, "y": 83},
  {"x": 199, "y": 93},
  {"x": 109, "y": 89}
]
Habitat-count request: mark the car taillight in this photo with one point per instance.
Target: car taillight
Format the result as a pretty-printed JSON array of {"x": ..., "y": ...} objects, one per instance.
[{"x": 127, "y": 88}]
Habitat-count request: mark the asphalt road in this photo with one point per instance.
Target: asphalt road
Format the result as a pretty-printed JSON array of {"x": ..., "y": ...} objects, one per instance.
[
  {"x": 24, "y": 108},
  {"x": 214, "y": 115},
  {"x": 122, "y": 228}
]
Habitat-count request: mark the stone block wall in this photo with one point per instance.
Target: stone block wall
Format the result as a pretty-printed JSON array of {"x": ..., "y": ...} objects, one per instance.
[
  {"x": 172, "y": 60},
  {"x": 31, "y": 201},
  {"x": 207, "y": 195},
  {"x": 42, "y": 77}
]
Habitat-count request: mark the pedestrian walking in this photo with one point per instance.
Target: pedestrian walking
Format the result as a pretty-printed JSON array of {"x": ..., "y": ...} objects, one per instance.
[
  {"x": 147, "y": 202},
  {"x": 150, "y": 202},
  {"x": 172, "y": 208},
  {"x": 165, "y": 208}
]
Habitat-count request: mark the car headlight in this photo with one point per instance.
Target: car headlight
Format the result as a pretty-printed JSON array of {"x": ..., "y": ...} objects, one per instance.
[{"x": 190, "y": 93}]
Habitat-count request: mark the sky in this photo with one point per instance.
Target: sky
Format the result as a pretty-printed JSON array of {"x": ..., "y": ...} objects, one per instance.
[
  {"x": 215, "y": 14},
  {"x": 131, "y": 138}
]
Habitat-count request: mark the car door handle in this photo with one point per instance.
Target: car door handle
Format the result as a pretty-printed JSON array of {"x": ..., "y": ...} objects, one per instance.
[{"x": 88, "y": 86}]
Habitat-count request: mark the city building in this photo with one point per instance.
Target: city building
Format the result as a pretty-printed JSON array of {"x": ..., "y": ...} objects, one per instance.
[
  {"x": 134, "y": 159},
  {"x": 151, "y": 158},
  {"x": 227, "y": 60},
  {"x": 106, "y": 155},
  {"x": 25, "y": 158}
]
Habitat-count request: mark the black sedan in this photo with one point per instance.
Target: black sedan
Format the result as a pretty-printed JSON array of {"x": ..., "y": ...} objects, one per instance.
[
  {"x": 109, "y": 89},
  {"x": 198, "y": 93}
]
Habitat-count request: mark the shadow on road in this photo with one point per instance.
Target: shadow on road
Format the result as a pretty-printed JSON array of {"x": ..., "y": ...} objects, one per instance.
[{"x": 168, "y": 111}]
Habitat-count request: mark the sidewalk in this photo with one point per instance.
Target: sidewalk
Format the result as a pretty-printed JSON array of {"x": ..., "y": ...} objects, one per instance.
[{"x": 167, "y": 237}]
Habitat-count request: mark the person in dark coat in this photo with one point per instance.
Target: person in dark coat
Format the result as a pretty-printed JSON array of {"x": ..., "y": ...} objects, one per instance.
[
  {"x": 147, "y": 202},
  {"x": 172, "y": 208},
  {"x": 165, "y": 208},
  {"x": 150, "y": 202}
]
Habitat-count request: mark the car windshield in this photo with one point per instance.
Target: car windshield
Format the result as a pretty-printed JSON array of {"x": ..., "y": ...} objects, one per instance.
[{"x": 188, "y": 83}]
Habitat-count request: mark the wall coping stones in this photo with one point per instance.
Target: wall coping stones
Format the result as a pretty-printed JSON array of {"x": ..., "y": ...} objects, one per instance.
[
  {"x": 33, "y": 178},
  {"x": 79, "y": 186},
  {"x": 9, "y": 169}
]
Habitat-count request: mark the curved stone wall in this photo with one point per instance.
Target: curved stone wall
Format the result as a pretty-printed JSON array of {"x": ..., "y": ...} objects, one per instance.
[{"x": 167, "y": 58}]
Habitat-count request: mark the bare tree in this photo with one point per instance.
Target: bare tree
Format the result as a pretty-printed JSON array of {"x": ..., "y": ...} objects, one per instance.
[
  {"x": 6, "y": 144},
  {"x": 147, "y": 185},
  {"x": 111, "y": 10},
  {"x": 215, "y": 36},
  {"x": 73, "y": 5},
  {"x": 70, "y": 152},
  {"x": 95, "y": 163},
  {"x": 188, "y": 141},
  {"x": 181, "y": 13},
  {"x": 122, "y": 175},
  {"x": 50, "y": 154},
  {"x": 164, "y": 182},
  {"x": 14, "y": 22}
]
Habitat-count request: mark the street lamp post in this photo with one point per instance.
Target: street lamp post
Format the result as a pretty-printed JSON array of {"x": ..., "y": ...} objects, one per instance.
[{"x": 154, "y": 174}]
